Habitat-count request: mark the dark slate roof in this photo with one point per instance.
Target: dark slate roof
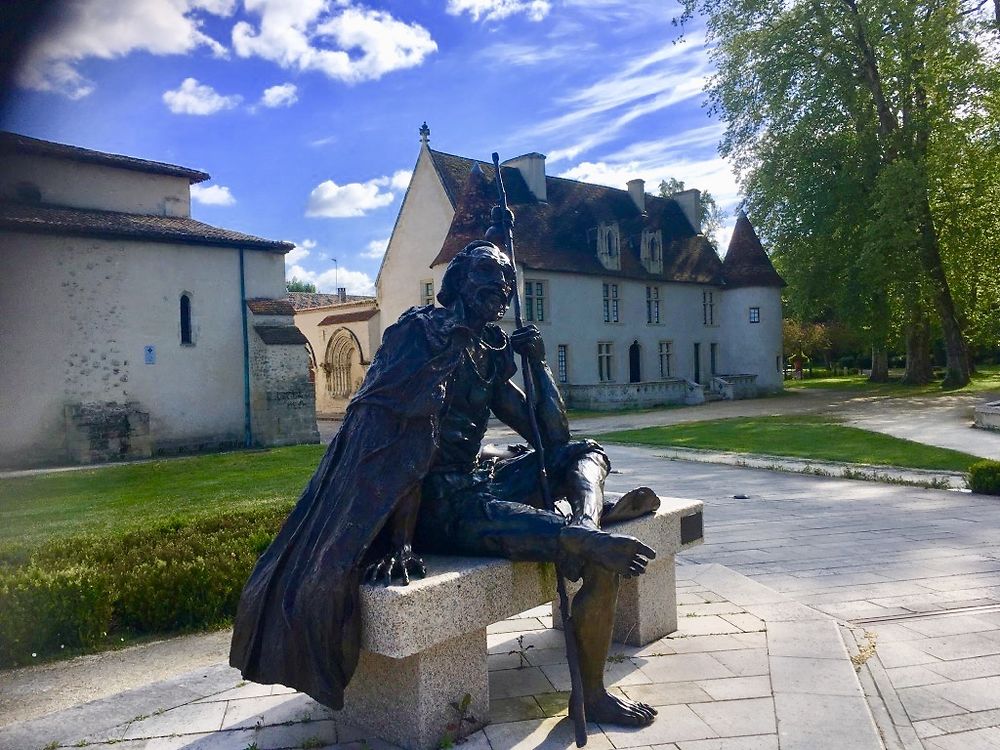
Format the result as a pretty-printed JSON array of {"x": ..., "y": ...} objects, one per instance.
[
  {"x": 454, "y": 170},
  {"x": 560, "y": 234},
  {"x": 312, "y": 300},
  {"x": 356, "y": 316},
  {"x": 22, "y": 144},
  {"x": 262, "y": 306},
  {"x": 25, "y": 217},
  {"x": 280, "y": 335},
  {"x": 746, "y": 262}
]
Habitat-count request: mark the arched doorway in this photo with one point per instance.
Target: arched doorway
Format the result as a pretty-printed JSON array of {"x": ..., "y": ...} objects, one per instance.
[
  {"x": 342, "y": 366},
  {"x": 635, "y": 363}
]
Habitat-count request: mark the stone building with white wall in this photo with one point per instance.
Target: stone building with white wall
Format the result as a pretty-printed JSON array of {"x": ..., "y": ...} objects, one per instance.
[
  {"x": 634, "y": 304},
  {"x": 129, "y": 329},
  {"x": 342, "y": 331}
]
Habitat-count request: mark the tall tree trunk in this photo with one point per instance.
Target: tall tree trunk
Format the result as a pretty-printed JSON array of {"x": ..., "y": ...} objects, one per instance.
[
  {"x": 880, "y": 366},
  {"x": 929, "y": 251},
  {"x": 918, "y": 348},
  {"x": 955, "y": 350}
]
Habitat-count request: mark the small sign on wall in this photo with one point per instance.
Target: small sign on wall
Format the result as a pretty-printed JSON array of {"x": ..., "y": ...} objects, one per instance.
[{"x": 149, "y": 354}]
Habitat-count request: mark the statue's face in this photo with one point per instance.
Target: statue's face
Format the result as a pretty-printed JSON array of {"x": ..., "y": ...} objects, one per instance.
[{"x": 487, "y": 290}]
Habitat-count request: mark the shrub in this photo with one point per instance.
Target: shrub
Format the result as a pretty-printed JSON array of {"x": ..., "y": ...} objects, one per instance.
[
  {"x": 179, "y": 574},
  {"x": 43, "y": 610},
  {"x": 984, "y": 477}
]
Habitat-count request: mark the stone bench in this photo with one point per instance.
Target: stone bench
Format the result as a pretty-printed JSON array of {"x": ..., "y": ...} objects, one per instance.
[{"x": 424, "y": 645}]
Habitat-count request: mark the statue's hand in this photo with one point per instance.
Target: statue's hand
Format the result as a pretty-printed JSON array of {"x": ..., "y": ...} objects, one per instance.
[
  {"x": 527, "y": 341},
  {"x": 398, "y": 564}
]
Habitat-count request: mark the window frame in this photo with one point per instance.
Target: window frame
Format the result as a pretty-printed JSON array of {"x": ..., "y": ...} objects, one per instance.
[
  {"x": 754, "y": 314},
  {"x": 653, "y": 305},
  {"x": 665, "y": 352},
  {"x": 534, "y": 300},
  {"x": 605, "y": 362},
  {"x": 425, "y": 298},
  {"x": 562, "y": 363},
  {"x": 708, "y": 307},
  {"x": 611, "y": 302},
  {"x": 186, "y": 319}
]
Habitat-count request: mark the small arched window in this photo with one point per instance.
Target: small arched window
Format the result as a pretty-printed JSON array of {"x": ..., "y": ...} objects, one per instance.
[
  {"x": 186, "y": 319},
  {"x": 654, "y": 250},
  {"x": 611, "y": 243}
]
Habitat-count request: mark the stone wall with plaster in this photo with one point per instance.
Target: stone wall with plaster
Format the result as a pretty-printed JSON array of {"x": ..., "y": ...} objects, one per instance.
[
  {"x": 754, "y": 347},
  {"x": 348, "y": 346},
  {"x": 77, "y": 184},
  {"x": 281, "y": 395},
  {"x": 76, "y": 318},
  {"x": 422, "y": 224}
]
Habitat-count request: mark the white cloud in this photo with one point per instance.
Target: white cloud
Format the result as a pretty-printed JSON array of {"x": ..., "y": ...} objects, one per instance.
[
  {"x": 375, "y": 249},
  {"x": 213, "y": 195},
  {"x": 349, "y": 44},
  {"x": 713, "y": 174},
  {"x": 650, "y": 83},
  {"x": 299, "y": 252},
  {"x": 400, "y": 179},
  {"x": 356, "y": 282},
  {"x": 108, "y": 29},
  {"x": 495, "y": 10},
  {"x": 193, "y": 98},
  {"x": 333, "y": 201},
  {"x": 282, "y": 95}
]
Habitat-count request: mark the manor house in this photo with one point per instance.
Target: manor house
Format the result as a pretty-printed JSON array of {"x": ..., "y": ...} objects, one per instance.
[{"x": 634, "y": 304}]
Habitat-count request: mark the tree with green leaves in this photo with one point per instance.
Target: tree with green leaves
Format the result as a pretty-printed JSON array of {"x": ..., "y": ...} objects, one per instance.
[
  {"x": 851, "y": 124},
  {"x": 295, "y": 284},
  {"x": 711, "y": 215}
]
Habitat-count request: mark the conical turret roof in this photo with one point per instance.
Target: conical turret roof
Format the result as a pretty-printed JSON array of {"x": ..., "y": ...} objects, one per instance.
[{"x": 746, "y": 262}]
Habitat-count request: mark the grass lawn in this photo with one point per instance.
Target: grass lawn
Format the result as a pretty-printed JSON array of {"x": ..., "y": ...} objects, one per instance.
[
  {"x": 114, "y": 499},
  {"x": 797, "y": 436},
  {"x": 987, "y": 379}
]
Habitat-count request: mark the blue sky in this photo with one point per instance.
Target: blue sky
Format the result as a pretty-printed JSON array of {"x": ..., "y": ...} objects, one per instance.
[{"x": 305, "y": 112}]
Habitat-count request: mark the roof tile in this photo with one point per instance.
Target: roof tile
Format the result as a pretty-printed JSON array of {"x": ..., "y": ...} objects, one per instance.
[
  {"x": 560, "y": 234},
  {"x": 24, "y": 217},
  {"x": 17, "y": 143},
  {"x": 746, "y": 262}
]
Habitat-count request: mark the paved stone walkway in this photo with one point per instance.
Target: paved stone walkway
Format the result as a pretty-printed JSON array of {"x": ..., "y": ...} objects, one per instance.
[
  {"x": 919, "y": 569},
  {"x": 748, "y": 669}
]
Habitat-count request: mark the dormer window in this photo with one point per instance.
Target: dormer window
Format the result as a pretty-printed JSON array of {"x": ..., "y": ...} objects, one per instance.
[
  {"x": 609, "y": 246},
  {"x": 652, "y": 251}
]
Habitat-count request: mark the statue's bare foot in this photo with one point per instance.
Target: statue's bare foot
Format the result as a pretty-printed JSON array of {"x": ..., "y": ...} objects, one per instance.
[
  {"x": 632, "y": 504},
  {"x": 612, "y": 709},
  {"x": 619, "y": 553}
]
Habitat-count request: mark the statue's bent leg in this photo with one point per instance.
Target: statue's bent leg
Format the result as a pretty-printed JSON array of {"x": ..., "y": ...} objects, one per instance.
[{"x": 593, "y": 622}]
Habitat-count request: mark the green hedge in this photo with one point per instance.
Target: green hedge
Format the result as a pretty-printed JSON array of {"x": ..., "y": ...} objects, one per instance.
[
  {"x": 984, "y": 477},
  {"x": 79, "y": 592}
]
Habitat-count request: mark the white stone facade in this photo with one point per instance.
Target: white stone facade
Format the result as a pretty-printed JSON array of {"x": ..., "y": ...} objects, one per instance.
[
  {"x": 100, "y": 362},
  {"x": 342, "y": 350},
  {"x": 662, "y": 334},
  {"x": 423, "y": 221}
]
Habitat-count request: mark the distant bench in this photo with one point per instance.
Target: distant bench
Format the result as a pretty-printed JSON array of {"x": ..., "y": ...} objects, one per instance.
[{"x": 424, "y": 645}]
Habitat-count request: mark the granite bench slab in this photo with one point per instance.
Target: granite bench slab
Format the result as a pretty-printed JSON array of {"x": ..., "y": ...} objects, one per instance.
[{"x": 424, "y": 645}]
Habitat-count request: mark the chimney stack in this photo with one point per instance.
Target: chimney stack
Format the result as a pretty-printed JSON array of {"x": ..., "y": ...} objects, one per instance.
[
  {"x": 532, "y": 169},
  {"x": 637, "y": 191},
  {"x": 342, "y": 293},
  {"x": 690, "y": 203}
]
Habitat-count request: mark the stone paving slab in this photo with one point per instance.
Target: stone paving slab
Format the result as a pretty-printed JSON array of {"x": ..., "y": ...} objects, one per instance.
[{"x": 717, "y": 685}]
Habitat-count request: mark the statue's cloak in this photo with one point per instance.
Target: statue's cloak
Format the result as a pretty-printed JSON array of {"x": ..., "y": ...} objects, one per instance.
[{"x": 298, "y": 622}]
